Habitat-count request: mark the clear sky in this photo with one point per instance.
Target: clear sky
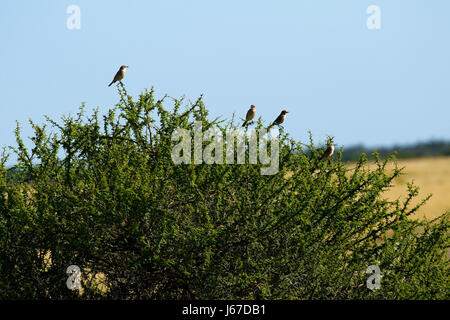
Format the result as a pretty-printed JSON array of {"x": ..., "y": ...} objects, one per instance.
[{"x": 315, "y": 58}]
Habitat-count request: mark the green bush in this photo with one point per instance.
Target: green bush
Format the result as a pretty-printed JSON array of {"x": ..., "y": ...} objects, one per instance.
[{"x": 104, "y": 194}]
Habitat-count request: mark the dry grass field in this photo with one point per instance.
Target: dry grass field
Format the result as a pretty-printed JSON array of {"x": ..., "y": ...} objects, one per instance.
[{"x": 431, "y": 175}]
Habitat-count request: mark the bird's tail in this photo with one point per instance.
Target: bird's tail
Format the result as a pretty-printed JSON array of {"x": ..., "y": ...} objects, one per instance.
[
  {"x": 245, "y": 122},
  {"x": 314, "y": 167},
  {"x": 109, "y": 85},
  {"x": 323, "y": 157}
]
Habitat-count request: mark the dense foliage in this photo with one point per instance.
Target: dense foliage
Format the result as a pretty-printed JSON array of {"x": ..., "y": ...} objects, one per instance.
[{"x": 103, "y": 193}]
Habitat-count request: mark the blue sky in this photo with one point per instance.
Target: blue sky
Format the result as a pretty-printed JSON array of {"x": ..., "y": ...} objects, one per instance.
[{"x": 315, "y": 58}]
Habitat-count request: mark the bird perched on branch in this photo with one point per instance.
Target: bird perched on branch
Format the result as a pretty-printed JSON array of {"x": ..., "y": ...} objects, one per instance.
[
  {"x": 326, "y": 155},
  {"x": 250, "y": 115},
  {"x": 280, "y": 119},
  {"x": 328, "y": 152},
  {"x": 119, "y": 75}
]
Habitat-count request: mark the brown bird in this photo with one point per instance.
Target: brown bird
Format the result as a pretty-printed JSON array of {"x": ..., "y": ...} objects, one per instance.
[
  {"x": 328, "y": 152},
  {"x": 280, "y": 119},
  {"x": 119, "y": 75},
  {"x": 250, "y": 114}
]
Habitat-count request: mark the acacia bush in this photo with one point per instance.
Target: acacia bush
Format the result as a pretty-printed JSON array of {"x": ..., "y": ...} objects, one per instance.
[{"x": 102, "y": 193}]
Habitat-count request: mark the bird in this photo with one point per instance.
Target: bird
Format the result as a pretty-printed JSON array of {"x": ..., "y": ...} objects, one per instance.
[
  {"x": 119, "y": 75},
  {"x": 326, "y": 155},
  {"x": 328, "y": 152},
  {"x": 250, "y": 115},
  {"x": 280, "y": 119}
]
